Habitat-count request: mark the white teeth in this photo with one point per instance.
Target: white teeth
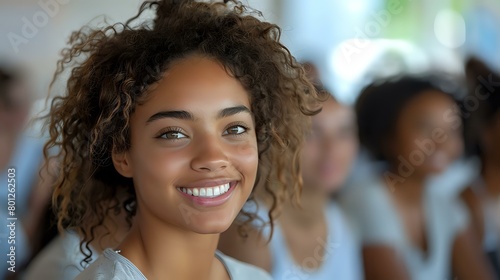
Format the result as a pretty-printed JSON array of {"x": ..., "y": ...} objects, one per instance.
[{"x": 206, "y": 192}]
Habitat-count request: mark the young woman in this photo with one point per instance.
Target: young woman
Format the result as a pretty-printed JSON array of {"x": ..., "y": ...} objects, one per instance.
[
  {"x": 313, "y": 241},
  {"x": 411, "y": 230},
  {"x": 179, "y": 115},
  {"x": 482, "y": 134}
]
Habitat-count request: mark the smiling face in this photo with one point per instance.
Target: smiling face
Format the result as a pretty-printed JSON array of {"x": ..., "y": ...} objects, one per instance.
[{"x": 193, "y": 155}]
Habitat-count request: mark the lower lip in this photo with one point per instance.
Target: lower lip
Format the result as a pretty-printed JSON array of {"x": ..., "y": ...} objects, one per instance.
[{"x": 212, "y": 201}]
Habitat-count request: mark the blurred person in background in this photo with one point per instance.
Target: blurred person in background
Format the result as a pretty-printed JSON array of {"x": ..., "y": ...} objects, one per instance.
[
  {"x": 482, "y": 134},
  {"x": 313, "y": 240},
  {"x": 21, "y": 155},
  {"x": 410, "y": 230},
  {"x": 62, "y": 258}
]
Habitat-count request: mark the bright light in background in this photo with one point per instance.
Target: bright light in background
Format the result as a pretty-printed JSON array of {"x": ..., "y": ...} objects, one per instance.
[
  {"x": 449, "y": 28},
  {"x": 356, "y": 6},
  {"x": 354, "y": 62}
]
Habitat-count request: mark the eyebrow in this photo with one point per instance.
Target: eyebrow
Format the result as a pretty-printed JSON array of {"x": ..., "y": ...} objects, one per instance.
[
  {"x": 185, "y": 115},
  {"x": 182, "y": 115},
  {"x": 231, "y": 111}
]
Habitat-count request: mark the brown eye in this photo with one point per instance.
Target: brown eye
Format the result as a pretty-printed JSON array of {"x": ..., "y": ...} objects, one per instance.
[
  {"x": 235, "y": 130},
  {"x": 172, "y": 135}
]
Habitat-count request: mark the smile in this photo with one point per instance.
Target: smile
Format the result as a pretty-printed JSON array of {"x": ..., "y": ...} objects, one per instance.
[{"x": 210, "y": 192}]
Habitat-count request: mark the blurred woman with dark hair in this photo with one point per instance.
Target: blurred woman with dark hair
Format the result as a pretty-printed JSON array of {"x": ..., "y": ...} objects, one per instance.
[{"x": 410, "y": 230}]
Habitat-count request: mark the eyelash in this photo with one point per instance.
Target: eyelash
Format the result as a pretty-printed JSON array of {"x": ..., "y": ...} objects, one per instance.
[
  {"x": 238, "y": 124},
  {"x": 179, "y": 130},
  {"x": 171, "y": 130}
]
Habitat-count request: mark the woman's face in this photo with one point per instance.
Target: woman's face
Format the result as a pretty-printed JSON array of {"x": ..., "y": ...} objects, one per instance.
[
  {"x": 330, "y": 148},
  {"x": 193, "y": 155},
  {"x": 428, "y": 135}
]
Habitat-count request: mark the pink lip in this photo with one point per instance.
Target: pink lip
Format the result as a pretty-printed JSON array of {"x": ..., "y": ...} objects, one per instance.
[{"x": 215, "y": 201}]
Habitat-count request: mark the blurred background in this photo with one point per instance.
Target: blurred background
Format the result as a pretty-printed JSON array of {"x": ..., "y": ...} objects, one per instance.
[{"x": 351, "y": 43}]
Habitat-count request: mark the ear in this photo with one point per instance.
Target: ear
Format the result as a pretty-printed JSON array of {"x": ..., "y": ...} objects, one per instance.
[{"x": 122, "y": 163}]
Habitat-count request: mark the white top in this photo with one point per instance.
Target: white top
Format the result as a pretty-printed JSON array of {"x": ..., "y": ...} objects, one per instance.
[
  {"x": 113, "y": 266},
  {"x": 342, "y": 249},
  {"x": 378, "y": 221}
]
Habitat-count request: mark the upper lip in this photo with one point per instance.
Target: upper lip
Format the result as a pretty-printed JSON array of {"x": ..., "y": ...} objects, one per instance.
[{"x": 207, "y": 183}]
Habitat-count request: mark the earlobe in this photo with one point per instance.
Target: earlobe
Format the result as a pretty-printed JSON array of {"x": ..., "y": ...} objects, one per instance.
[{"x": 122, "y": 163}]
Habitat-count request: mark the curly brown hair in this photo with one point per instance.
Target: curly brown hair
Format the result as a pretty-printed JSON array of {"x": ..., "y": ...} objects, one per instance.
[{"x": 113, "y": 68}]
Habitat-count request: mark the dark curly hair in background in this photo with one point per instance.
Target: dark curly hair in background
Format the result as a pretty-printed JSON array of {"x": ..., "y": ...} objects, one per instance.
[{"x": 113, "y": 68}]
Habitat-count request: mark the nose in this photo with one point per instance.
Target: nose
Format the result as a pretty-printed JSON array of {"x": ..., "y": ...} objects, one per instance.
[{"x": 210, "y": 156}]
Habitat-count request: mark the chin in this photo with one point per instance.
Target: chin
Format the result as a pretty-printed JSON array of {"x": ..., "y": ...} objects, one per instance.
[{"x": 210, "y": 226}]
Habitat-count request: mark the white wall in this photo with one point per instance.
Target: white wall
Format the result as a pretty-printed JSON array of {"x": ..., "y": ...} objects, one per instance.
[{"x": 33, "y": 32}]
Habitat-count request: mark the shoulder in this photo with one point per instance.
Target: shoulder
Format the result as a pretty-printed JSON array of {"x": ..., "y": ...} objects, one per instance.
[
  {"x": 451, "y": 211},
  {"x": 371, "y": 213},
  {"x": 242, "y": 271},
  {"x": 59, "y": 260},
  {"x": 367, "y": 202},
  {"x": 111, "y": 265}
]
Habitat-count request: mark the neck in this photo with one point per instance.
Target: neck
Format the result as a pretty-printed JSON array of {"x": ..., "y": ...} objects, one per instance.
[
  {"x": 491, "y": 176},
  {"x": 160, "y": 250},
  {"x": 409, "y": 189},
  {"x": 313, "y": 202}
]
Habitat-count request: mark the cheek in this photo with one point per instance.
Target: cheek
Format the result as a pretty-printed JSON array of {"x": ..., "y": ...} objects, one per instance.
[
  {"x": 245, "y": 158},
  {"x": 154, "y": 165},
  {"x": 455, "y": 147},
  {"x": 404, "y": 146},
  {"x": 348, "y": 150},
  {"x": 309, "y": 154}
]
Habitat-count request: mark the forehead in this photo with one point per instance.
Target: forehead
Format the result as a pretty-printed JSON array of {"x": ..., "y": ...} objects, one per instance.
[
  {"x": 333, "y": 112},
  {"x": 430, "y": 100},
  {"x": 196, "y": 82}
]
